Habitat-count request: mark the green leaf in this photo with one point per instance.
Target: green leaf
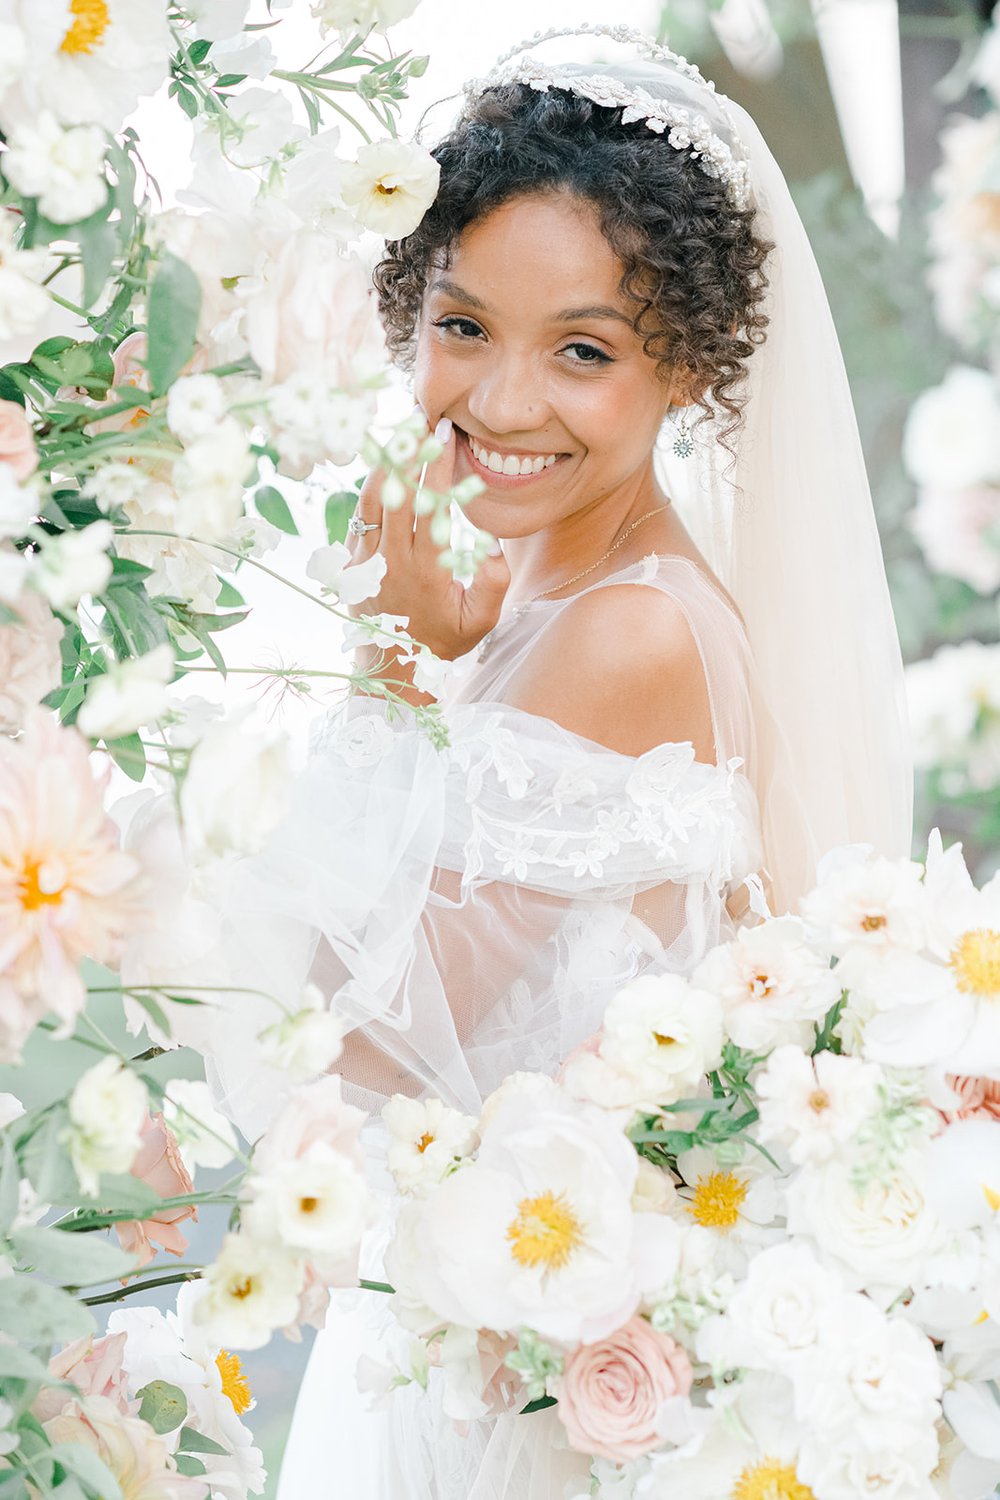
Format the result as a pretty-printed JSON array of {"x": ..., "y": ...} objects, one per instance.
[
  {"x": 273, "y": 506},
  {"x": 40, "y": 1314},
  {"x": 13, "y": 1487},
  {"x": 21, "y": 1364},
  {"x": 129, "y": 755},
  {"x": 174, "y": 306},
  {"x": 9, "y": 1182},
  {"x": 229, "y": 596},
  {"x": 85, "y": 1464},
  {"x": 187, "y": 101},
  {"x": 199, "y": 50},
  {"x": 539, "y": 1405},
  {"x": 229, "y": 80},
  {"x": 97, "y": 245},
  {"x": 154, "y": 1011},
  {"x": 71, "y": 1259},
  {"x": 46, "y": 1163},
  {"x": 121, "y": 1191},
  {"x": 191, "y": 1441},
  {"x": 188, "y": 1465},
  {"x": 163, "y": 1406},
  {"x": 340, "y": 507}
]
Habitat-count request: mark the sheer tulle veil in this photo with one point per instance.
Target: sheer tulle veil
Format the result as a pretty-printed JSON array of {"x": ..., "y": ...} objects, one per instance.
[{"x": 785, "y": 519}]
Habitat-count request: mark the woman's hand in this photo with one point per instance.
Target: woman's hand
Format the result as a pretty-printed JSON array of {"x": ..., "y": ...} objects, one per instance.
[{"x": 445, "y": 616}]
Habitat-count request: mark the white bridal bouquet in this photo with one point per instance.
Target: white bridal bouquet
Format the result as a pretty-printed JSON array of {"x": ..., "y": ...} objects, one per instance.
[{"x": 747, "y": 1244}]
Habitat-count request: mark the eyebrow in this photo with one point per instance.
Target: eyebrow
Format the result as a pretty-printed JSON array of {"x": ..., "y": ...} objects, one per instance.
[{"x": 570, "y": 315}]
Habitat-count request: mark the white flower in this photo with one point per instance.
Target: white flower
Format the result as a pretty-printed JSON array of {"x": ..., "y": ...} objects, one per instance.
[
  {"x": 959, "y": 532},
  {"x": 63, "y": 169},
  {"x": 773, "y": 988},
  {"x": 210, "y": 479},
  {"x": 30, "y": 659},
  {"x": 88, "y": 64},
  {"x": 739, "y": 1201},
  {"x": 772, "y": 1321},
  {"x": 107, "y": 1110},
  {"x": 266, "y": 123},
  {"x": 205, "y": 1137},
  {"x": 353, "y": 582},
  {"x": 362, "y": 740},
  {"x": 250, "y": 1290},
  {"x": 655, "y": 1191},
  {"x": 74, "y": 563},
  {"x": 952, "y": 434},
  {"x": 662, "y": 1035},
  {"x": 361, "y": 15},
  {"x": 130, "y": 694},
  {"x": 196, "y": 405},
  {"x": 890, "y": 1472},
  {"x": 425, "y": 1139},
  {"x": 13, "y": 54},
  {"x": 391, "y": 186},
  {"x": 236, "y": 788},
  {"x": 306, "y": 1043},
  {"x": 217, "y": 20},
  {"x": 954, "y": 703},
  {"x": 814, "y": 1105},
  {"x": 963, "y": 1173},
  {"x": 873, "y": 903},
  {"x": 316, "y": 1206},
  {"x": 23, "y": 303},
  {"x": 19, "y": 503}
]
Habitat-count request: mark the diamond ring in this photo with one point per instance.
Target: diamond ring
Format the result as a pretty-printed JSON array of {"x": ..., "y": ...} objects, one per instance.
[{"x": 357, "y": 527}]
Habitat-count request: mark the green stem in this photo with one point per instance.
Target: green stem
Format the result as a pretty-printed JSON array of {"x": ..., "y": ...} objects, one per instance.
[
  {"x": 141, "y": 1286},
  {"x": 376, "y": 1286}
]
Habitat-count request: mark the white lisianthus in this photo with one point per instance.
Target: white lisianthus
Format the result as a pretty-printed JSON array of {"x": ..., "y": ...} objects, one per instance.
[
  {"x": 204, "y": 1137},
  {"x": 773, "y": 988},
  {"x": 62, "y": 168},
  {"x": 196, "y": 405},
  {"x": 236, "y": 788},
  {"x": 352, "y": 582},
  {"x": 391, "y": 186},
  {"x": 250, "y": 1289},
  {"x": 952, "y": 434},
  {"x": 107, "y": 1110},
  {"x": 361, "y": 15},
  {"x": 814, "y": 1106},
  {"x": 23, "y": 303},
  {"x": 19, "y": 503},
  {"x": 661, "y": 1035},
  {"x": 425, "y": 1139},
  {"x": 210, "y": 479},
  {"x": 317, "y": 1206},
  {"x": 130, "y": 694},
  {"x": 306, "y": 1043},
  {"x": 772, "y": 1321},
  {"x": 74, "y": 563}
]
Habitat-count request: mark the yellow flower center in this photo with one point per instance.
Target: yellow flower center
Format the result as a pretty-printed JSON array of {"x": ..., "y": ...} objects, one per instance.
[
  {"x": 235, "y": 1385},
  {"x": 760, "y": 986},
  {"x": 385, "y": 189},
  {"x": 975, "y": 962},
  {"x": 308, "y": 1205},
  {"x": 819, "y": 1100},
  {"x": 992, "y": 1197},
  {"x": 770, "y": 1481},
  {"x": 90, "y": 22},
  {"x": 662, "y": 1040},
  {"x": 33, "y": 891},
  {"x": 717, "y": 1199},
  {"x": 425, "y": 1140},
  {"x": 874, "y": 922},
  {"x": 545, "y": 1232},
  {"x": 241, "y": 1288}
]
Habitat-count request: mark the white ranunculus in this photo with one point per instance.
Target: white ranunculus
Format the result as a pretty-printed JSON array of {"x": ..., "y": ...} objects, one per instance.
[
  {"x": 196, "y": 405},
  {"x": 662, "y": 1035},
  {"x": 391, "y": 186},
  {"x": 210, "y": 479},
  {"x": 130, "y": 694},
  {"x": 107, "y": 1110},
  {"x": 74, "y": 563},
  {"x": 19, "y": 503},
  {"x": 352, "y": 582},
  {"x": 814, "y": 1106},
  {"x": 426, "y": 1138},
  {"x": 772, "y": 986},
  {"x": 204, "y": 1136},
  {"x": 772, "y": 1321},
  {"x": 62, "y": 168},
  {"x": 307, "y": 1043},
  {"x": 952, "y": 434},
  {"x": 236, "y": 788},
  {"x": 317, "y": 1206},
  {"x": 250, "y": 1289}
]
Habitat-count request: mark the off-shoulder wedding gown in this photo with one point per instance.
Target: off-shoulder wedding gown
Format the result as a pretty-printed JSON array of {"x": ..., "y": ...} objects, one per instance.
[{"x": 475, "y": 907}]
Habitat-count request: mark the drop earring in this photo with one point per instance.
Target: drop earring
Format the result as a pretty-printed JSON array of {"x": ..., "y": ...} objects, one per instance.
[{"x": 683, "y": 445}]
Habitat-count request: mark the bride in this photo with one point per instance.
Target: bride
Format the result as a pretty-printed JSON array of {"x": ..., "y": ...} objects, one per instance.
[{"x": 675, "y": 682}]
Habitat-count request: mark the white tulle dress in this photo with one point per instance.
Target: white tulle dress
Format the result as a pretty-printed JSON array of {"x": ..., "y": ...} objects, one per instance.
[{"x": 473, "y": 909}]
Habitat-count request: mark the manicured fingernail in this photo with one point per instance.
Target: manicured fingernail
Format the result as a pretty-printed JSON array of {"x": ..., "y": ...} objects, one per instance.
[{"x": 443, "y": 430}]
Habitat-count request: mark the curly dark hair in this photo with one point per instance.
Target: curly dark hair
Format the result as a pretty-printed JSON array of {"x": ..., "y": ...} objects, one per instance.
[{"x": 693, "y": 265}]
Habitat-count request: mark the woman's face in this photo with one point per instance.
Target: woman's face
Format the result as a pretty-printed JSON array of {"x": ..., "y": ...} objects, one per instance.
[{"x": 526, "y": 343}]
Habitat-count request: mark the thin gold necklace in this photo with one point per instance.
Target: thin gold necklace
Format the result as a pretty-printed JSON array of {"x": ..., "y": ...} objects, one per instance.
[{"x": 594, "y": 566}]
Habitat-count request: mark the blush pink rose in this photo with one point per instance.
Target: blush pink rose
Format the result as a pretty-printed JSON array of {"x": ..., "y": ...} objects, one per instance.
[
  {"x": 611, "y": 1391},
  {"x": 17, "y": 440},
  {"x": 979, "y": 1099},
  {"x": 159, "y": 1165},
  {"x": 94, "y": 1366},
  {"x": 315, "y": 1113}
]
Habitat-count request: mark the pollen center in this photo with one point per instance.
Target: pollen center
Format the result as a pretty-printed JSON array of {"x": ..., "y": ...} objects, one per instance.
[
  {"x": 770, "y": 1480},
  {"x": 873, "y": 922},
  {"x": 425, "y": 1140},
  {"x": 235, "y": 1385},
  {"x": 90, "y": 22},
  {"x": 308, "y": 1205},
  {"x": 386, "y": 189},
  {"x": 545, "y": 1232},
  {"x": 37, "y": 886},
  {"x": 819, "y": 1100},
  {"x": 760, "y": 986},
  {"x": 663, "y": 1040},
  {"x": 975, "y": 962},
  {"x": 717, "y": 1199}
]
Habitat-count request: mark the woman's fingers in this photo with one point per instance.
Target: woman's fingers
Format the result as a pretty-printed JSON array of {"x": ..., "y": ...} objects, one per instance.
[{"x": 369, "y": 511}]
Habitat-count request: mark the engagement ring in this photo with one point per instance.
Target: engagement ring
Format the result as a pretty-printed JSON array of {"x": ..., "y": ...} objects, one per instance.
[{"x": 357, "y": 527}]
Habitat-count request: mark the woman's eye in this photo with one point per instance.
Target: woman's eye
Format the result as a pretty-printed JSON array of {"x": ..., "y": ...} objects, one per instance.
[
  {"x": 588, "y": 354},
  {"x": 463, "y": 327}
]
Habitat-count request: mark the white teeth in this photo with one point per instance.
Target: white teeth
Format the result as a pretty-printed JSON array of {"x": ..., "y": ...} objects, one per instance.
[
  {"x": 537, "y": 464},
  {"x": 495, "y": 462},
  {"x": 550, "y": 460},
  {"x": 510, "y": 464}
]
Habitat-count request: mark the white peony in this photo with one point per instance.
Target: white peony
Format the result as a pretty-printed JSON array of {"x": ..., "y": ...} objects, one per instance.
[
  {"x": 865, "y": 903},
  {"x": 352, "y": 582},
  {"x": 236, "y": 788},
  {"x": 62, "y": 168},
  {"x": 74, "y": 563},
  {"x": 306, "y": 1043},
  {"x": 132, "y": 693},
  {"x": 773, "y": 988},
  {"x": 196, "y": 405},
  {"x": 952, "y": 434},
  {"x": 204, "y": 1137},
  {"x": 317, "y": 1206},
  {"x": 107, "y": 1110},
  {"x": 391, "y": 186},
  {"x": 426, "y": 1138},
  {"x": 814, "y": 1106},
  {"x": 250, "y": 1289}
]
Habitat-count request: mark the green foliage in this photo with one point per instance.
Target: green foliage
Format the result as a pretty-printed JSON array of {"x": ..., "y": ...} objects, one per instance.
[
  {"x": 162, "y": 1405},
  {"x": 174, "y": 307}
]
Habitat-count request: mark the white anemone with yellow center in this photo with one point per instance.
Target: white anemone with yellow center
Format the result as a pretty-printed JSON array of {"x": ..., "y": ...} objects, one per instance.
[
  {"x": 738, "y": 1202},
  {"x": 540, "y": 1230},
  {"x": 88, "y": 61}
]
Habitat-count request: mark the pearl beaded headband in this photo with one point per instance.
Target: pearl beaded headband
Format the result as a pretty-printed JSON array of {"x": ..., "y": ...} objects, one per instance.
[{"x": 685, "y": 129}]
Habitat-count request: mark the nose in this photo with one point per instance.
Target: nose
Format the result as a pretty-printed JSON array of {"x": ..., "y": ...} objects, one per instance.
[{"x": 508, "y": 396}]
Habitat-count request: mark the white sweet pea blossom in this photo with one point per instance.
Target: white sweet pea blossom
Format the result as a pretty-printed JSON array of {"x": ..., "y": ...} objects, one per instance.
[
  {"x": 250, "y": 1289},
  {"x": 352, "y": 582},
  {"x": 772, "y": 986},
  {"x": 391, "y": 186},
  {"x": 236, "y": 788},
  {"x": 196, "y": 405},
  {"x": 317, "y": 1206},
  {"x": 107, "y": 1110},
  {"x": 130, "y": 694},
  {"x": 204, "y": 1136},
  {"x": 307, "y": 1043},
  {"x": 267, "y": 125},
  {"x": 814, "y": 1106},
  {"x": 952, "y": 434},
  {"x": 425, "y": 1139},
  {"x": 74, "y": 563},
  {"x": 23, "y": 303},
  {"x": 210, "y": 479},
  {"x": 62, "y": 168}
]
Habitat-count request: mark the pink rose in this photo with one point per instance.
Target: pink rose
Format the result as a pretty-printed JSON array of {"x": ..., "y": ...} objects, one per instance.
[
  {"x": 316, "y": 1112},
  {"x": 94, "y": 1366},
  {"x": 979, "y": 1099},
  {"x": 138, "y": 1457},
  {"x": 611, "y": 1391},
  {"x": 159, "y": 1165},
  {"x": 17, "y": 440}
]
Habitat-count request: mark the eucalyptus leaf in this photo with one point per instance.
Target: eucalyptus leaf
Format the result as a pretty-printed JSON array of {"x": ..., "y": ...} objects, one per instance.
[
  {"x": 191, "y": 1441},
  {"x": 188, "y": 1465},
  {"x": 46, "y": 1162},
  {"x": 174, "y": 306},
  {"x": 40, "y": 1314},
  {"x": 21, "y": 1364},
  {"x": 98, "y": 243},
  {"x": 163, "y": 1406},
  {"x": 71, "y": 1259}
]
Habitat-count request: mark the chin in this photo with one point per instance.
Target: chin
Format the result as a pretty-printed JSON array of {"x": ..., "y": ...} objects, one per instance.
[{"x": 504, "y": 518}]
